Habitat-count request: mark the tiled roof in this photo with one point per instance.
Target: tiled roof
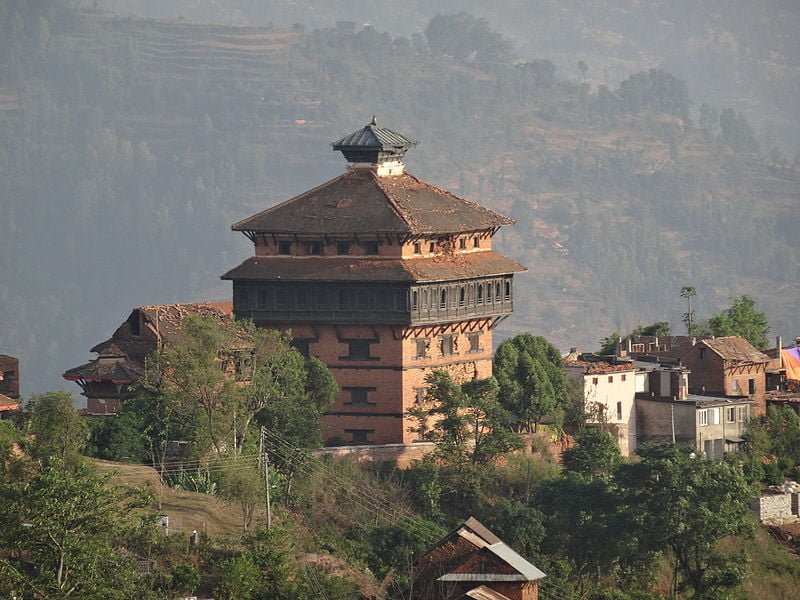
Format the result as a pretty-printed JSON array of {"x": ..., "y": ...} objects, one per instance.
[
  {"x": 121, "y": 370},
  {"x": 359, "y": 202},
  {"x": 373, "y": 269},
  {"x": 7, "y": 403},
  {"x": 735, "y": 348}
]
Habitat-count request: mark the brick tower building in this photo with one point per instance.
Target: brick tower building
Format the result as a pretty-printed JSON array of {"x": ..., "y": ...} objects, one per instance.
[{"x": 382, "y": 276}]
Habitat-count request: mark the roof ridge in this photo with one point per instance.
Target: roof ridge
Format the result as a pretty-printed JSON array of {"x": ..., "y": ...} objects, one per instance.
[{"x": 392, "y": 204}]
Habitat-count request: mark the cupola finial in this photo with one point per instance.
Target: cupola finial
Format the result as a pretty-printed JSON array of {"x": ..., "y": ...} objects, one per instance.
[
  {"x": 374, "y": 121},
  {"x": 373, "y": 146}
]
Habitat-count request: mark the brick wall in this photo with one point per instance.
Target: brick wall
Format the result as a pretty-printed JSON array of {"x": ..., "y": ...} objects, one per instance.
[{"x": 707, "y": 372}]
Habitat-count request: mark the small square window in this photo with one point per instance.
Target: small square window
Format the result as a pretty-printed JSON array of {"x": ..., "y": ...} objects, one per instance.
[
  {"x": 284, "y": 247},
  {"x": 342, "y": 248},
  {"x": 446, "y": 345},
  {"x": 474, "y": 342},
  {"x": 313, "y": 248},
  {"x": 370, "y": 247},
  {"x": 610, "y": 379},
  {"x": 360, "y": 436},
  {"x": 417, "y": 248},
  {"x": 595, "y": 381},
  {"x": 302, "y": 346},
  {"x": 358, "y": 350},
  {"x": 730, "y": 414},
  {"x": 421, "y": 348},
  {"x": 359, "y": 396},
  {"x": 476, "y": 242},
  {"x": 432, "y": 247},
  {"x": 462, "y": 243}
]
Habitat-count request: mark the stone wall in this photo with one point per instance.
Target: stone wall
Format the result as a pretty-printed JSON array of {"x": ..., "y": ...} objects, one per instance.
[{"x": 776, "y": 509}]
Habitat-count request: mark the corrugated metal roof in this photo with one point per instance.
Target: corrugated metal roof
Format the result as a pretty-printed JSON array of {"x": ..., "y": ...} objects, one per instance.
[{"x": 372, "y": 136}]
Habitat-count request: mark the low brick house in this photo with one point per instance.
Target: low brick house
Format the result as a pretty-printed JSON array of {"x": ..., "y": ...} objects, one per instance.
[
  {"x": 111, "y": 377},
  {"x": 728, "y": 366},
  {"x": 9, "y": 384},
  {"x": 472, "y": 562}
]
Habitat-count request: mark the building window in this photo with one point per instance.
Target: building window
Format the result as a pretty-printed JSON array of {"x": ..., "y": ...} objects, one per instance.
[
  {"x": 417, "y": 248},
  {"x": 742, "y": 414},
  {"x": 281, "y": 299},
  {"x": 713, "y": 416},
  {"x": 414, "y": 300},
  {"x": 751, "y": 386},
  {"x": 610, "y": 379},
  {"x": 370, "y": 247},
  {"x": 302, "y": 299},
  {"x": 480, "y": 293},
  {"x": 462, "y": 296},
  {"x": 419, "y": 395},
  {"x": 508, "y": 290},
  {"x": 623, "y": 377},
  {"x": 443, "y": 299},
  {"x": 302, "y": 346},
  {"x": 619, "y": 411},
  {"x": 595, "y": 381},
  {"x": 474, "y": 342},
  {"x": 432, "y": 247},
  {"x": 284, "y": 247},
  {"x": 359, "y": 396},
  {"x": 323, "y": 299},
  {"x": 360, "y": 436},
  {"x": 343, "y": 299},
  {"x": 313, "y": 248},
  {"x": 342, "y": 248},
  {"x": 261, "y": 299},
  {"x": 730, "y": 414},
  {"x": 462, "y": 243},
  {"x": 421, "y": 348},
  {"x": 497, "y": 292},
  {"x": 447, "y": 345},
  {"x": 702, "y": 353},
  {"x": 358, "y": 350},
  {"x": 702, "y": 416},
  {"x": 476, "y": 242}
]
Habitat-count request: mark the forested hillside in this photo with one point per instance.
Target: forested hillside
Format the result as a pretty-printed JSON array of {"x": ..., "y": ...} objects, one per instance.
[
  {"x": 128, "y": 146},
  {"x": 743, "y": 53}
]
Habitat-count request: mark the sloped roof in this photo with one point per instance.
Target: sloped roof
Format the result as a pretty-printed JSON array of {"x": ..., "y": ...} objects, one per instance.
[
  {"x": 120, "y": 370},
  {"x": 359, "y": 202},
  {"x": 373, "y": 269},
  {"x": 523, "y": 570},
  {"x": 7, "y": 403},
  {"x": 735, "y": 348},
  {"x": 372, "y": 136}
]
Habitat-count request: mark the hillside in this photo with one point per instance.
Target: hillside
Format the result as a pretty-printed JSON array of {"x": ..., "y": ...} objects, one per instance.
[{"x": 128, "y": 146}]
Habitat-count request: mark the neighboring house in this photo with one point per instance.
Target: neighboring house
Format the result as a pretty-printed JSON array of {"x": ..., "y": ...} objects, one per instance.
[
  {"x": 662, "y": 348},
  {"x": 712, "y": 425},
  {"x": 9, "y": 384},
  {"x": 728, "y": 366},
  {"x": 112, "y": 377},
  {"x": 609, "y": 386},
  {"x": 472, "y": 562},
  {"x": 778, "y": 504}
]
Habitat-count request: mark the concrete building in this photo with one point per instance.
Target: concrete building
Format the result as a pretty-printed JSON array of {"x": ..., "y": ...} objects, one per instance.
[
  {"x": 711, "y": 425},
  {"x": 609, "y": 386},
  {"x": 382, "y": 276}
]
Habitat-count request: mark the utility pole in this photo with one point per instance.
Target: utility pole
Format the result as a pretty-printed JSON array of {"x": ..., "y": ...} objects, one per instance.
[
  {"x": 672, "y": 418},
  {"x": 266, "y": 480}
]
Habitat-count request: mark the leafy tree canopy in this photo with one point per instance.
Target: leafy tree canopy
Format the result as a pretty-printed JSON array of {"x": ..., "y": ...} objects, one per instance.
[
  {"x": 57, "y": 430},
  {"x": 742, "y": 319},
  {"x": 467, "y": 38},
  {"x": 532, "y": 382}
]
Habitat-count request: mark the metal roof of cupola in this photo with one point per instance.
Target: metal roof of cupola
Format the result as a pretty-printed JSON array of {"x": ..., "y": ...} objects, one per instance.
[{"x": 375, "y": 147}]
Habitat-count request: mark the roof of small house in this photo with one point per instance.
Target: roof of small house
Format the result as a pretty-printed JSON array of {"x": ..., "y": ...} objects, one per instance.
[
  {"x": 116, "y": 370},
  {"x": 735, "y": 348},
  {"x": 7, "y": 403},
  {"x": 374, "y": 269},
  {"x": 514, "y": 567},
  {"x": 359, "y": 202},
  {"x": 484, "y": 593},
  {"x": 596, "y": 364}
]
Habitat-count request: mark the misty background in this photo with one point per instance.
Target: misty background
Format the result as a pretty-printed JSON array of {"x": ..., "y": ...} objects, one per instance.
[{"x": 641, "y": 146}]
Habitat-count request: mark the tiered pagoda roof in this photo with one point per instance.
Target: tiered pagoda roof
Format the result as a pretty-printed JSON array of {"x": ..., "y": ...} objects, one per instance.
[{"x": 360, "y": 202}]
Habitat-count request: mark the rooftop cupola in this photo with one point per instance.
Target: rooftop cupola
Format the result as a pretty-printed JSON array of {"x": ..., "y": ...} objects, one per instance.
[{"x": 375, "y": 147}]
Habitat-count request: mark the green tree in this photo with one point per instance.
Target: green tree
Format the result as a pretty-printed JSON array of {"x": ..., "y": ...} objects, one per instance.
[
  {"x": 742, "y": 319},
  {"x": 467, "y": 38},
  {"x": 240, "y": 482},
  {"x": 466, "y": 422},
  {"x": 58, "y": 431},
  {"x": 688, "y": 292},
  {"x": 594, "y": 455},
  {"x": 184, "y": 578},
  {"x": 687, "y": 505},
  {"x": 66, "y": 523},
  {"x": 238, "y": 578},
  {"x": 532, "y": 382}
]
